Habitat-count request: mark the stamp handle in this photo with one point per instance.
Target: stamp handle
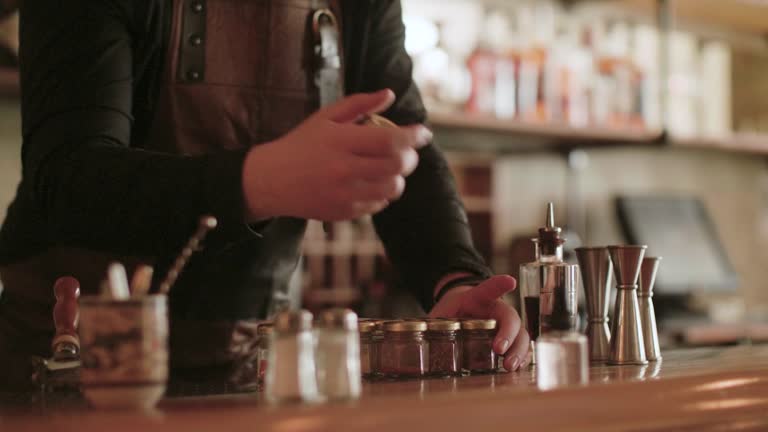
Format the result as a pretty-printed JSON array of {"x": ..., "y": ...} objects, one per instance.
[{"x": 66, "y": 343}]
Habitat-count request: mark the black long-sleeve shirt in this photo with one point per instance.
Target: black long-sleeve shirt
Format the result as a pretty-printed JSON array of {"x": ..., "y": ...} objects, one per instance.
[{"x": 90, "y": 72}]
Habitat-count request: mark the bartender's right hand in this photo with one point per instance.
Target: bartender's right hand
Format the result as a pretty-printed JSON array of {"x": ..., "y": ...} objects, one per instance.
[{"x": 330, "y": 168}]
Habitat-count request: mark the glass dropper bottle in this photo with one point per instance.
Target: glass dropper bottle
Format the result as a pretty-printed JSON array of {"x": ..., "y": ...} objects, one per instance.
[{"x": 546, "y": 280}]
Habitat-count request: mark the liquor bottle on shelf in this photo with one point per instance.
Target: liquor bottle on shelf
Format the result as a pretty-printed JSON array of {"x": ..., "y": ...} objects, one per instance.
[
  {"x": 530, "y": 85},
  {"x": 482, "y": 68},
  {"x": 493, "y": 70}
]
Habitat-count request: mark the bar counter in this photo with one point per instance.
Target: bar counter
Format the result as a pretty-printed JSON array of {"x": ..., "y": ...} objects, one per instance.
[{"x": 705, "y": 389}]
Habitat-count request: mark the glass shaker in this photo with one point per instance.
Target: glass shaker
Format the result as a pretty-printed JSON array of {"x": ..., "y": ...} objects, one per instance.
[
  {"x": 338, "y": 355},
  {"x": 290, "y": 375}
]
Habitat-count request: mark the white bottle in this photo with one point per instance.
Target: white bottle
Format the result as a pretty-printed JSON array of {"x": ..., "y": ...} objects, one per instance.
[
  {"x": 291, "y": 373},
  {"x": 338, "y": 355}
]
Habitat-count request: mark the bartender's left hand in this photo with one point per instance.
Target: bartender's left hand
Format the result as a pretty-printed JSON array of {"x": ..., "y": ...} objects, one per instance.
[{"x": 484, "y": 301}]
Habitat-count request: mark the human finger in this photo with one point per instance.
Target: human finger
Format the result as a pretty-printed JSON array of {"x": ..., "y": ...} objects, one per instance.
[
  {"x": 357, "y": 105},
  {"x": 492, "y": 289},
  {"x": 383, "y": 142},
  {"x": 517, "y": 355},
  {"x": 387, "y": 189},
  {"x": 370, "y": 168},
  {"x": 507, "y": 326}
]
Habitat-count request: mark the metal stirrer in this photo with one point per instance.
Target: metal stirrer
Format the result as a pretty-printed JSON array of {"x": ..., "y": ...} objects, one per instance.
[{"x": 207, "y": 223}]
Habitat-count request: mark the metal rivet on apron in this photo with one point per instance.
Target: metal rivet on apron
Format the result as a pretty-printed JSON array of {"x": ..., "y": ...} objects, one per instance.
[
  {"x": 193, "y": 75},
  {"x": 196, "y": 6},
  {"x": 195, "y": 40}
]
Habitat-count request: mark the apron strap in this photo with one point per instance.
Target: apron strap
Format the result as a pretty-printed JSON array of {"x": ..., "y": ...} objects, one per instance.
[{"x": 327, "y": 49}]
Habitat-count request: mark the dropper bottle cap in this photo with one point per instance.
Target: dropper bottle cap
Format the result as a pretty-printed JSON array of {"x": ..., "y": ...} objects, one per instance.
[{"x": 550, "y": 236}]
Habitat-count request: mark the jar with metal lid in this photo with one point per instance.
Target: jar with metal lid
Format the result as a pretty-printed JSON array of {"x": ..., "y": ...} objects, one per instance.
[
  {"x": 477, "y": 345},
  {"x": 367, "y": 347},
  {"x": 290, "y": 375},
  {"x": 442, "y": 338},
  {"x": 378, "y": 340},
  {"x": 338, "y": 355},
  {"x": 404, "y": 350},
  {"x": 263, "y": 341}
]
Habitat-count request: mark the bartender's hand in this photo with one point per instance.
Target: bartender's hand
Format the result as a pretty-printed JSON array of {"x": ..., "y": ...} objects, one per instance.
[
  {"x": 484, "y": 301},
  {"x": 329, "y": 167}
]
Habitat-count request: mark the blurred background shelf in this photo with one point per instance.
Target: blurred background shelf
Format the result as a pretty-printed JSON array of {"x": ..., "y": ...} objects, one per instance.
[
  {"x": 746, "y": 16},
  {"x": 9, "y": 82},
  {"x": 510, "y": 135},
  {"x": 738, "y": 143},
  {"x": 487, "y": 123}
]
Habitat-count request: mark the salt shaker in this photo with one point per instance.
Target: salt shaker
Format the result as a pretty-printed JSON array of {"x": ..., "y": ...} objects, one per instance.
[
  {"x": 562, "y": 353},
  {"x": 291, "y": 374},
  {"x": 338, "y": 355}
]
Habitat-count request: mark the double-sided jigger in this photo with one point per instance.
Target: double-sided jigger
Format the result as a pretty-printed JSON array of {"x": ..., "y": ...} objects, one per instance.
[
  {"x": 596, "y": 269},
  {"x": 627, "y": 344},
  {"x": 648, "y": 272}
]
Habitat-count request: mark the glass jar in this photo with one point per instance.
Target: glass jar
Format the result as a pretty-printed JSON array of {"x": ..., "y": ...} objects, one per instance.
[
  {"x": 477, "y": 346},
  {"x": 443, "y": 341},
  {"x": 368, "y": 352},
  {"x": 263, "y": 338},
  {"x": 404, "y": 350},
  {"x": 378, "y": 342}
]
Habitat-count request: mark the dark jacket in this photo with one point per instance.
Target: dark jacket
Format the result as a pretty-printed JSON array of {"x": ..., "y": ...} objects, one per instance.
[{"x": 90, "y": 72}]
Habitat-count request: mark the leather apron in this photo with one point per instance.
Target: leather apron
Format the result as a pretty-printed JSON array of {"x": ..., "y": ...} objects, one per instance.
[{"x": 237, "y": 73}]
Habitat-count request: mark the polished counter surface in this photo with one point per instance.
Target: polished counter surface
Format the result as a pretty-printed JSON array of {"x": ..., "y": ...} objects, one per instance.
[{"x": 708, "y": 389}]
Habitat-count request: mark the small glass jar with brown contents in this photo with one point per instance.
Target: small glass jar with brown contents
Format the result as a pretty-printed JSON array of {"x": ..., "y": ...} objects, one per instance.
[
  {"x": 263, "y": 338},
  {"x": 477, "y": 345},
  {"x": 404, "y": 351},
  {"x": 368, "y": 352},
  {"x": 378, "y": 341},
  {"x": 444, "y": 355}
]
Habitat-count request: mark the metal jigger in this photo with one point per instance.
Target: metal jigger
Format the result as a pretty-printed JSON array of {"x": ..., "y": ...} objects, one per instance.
[
  {"x": 596, "y": 269},
  {"x": 627, "y": 345},
  {"x": 647, "y": 315}
]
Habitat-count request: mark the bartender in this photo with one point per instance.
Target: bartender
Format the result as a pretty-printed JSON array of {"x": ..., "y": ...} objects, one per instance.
[{"x": 138, "y": 117}]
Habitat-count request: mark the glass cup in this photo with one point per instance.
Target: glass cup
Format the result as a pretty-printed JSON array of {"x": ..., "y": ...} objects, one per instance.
[{"x": 124, "y": 347}]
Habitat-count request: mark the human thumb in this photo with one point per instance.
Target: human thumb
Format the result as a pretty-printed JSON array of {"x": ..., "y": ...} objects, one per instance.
[{"x": 353, "y": 107}]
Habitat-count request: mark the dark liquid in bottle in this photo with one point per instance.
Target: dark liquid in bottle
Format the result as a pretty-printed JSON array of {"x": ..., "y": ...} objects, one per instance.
[{"x": 532, "y": 316}]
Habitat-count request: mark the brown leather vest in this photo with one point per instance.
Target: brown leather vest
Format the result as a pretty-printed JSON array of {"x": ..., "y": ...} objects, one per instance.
[{"x": 237, "y": 73}]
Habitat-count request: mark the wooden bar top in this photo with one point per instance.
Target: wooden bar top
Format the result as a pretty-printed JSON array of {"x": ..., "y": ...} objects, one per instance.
[{"x": 707, "y": 389}]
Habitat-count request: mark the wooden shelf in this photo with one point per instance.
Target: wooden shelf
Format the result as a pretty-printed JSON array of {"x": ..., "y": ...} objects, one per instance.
[
  {"x": 9, "y": 81},
  {"x": 747, "y": 16},
  {"x": 738, "y": 143},
  {"x": 459, "y": 130},
  {"x": 515, "y": 135}
]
